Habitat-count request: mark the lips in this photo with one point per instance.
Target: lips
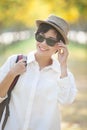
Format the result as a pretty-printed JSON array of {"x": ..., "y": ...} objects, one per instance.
[{"x": 43, "y": 49}]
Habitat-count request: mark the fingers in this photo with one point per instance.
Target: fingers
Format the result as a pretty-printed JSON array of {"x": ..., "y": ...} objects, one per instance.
[
  {"x": 61, "y": 51},
  {"x": 23, "y": 62},
  {"x": 20, "y": 66},
  {"x": 61, "y": 44},
  {"x": 62, "y": 48}
]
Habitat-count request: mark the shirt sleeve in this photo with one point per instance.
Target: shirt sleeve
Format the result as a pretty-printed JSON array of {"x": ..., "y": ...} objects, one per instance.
[
  {"x": 5, "y": 69},
  {"x": 66, "y": 89}
]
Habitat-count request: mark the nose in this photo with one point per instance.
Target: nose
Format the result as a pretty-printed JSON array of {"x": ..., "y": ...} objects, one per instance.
[{"x": 44, "y": 42}]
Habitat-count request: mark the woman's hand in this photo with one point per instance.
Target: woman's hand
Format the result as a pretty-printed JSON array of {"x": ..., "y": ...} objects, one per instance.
[
  {"x": 19, "y": 67},
  {"x": 62, "y": 53},
  {"x": 62, "y": 57}
]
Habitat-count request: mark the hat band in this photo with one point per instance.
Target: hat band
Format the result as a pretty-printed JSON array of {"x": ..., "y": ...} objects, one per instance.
[{"x": 55, "y": 24}]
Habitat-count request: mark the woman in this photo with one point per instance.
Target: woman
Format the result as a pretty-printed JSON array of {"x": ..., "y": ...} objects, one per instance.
[{"x": 44, "y": 83}]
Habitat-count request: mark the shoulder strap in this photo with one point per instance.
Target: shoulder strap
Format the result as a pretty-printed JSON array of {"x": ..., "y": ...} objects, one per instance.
[{"x": 19, "y": 57}]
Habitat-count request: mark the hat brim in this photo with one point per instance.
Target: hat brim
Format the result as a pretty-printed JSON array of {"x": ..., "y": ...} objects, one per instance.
[{"x": 38, "y": 22}]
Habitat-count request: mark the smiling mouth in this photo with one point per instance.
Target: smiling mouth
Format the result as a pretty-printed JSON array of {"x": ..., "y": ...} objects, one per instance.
[{"x": 43, "y": 49}]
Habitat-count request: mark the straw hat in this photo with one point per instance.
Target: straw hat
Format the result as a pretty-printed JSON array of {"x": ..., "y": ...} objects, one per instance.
[{"x": 58, "y": 23}]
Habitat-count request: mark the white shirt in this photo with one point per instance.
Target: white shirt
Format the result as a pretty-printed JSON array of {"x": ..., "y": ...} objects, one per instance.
[{"x": 34, "y": 103}]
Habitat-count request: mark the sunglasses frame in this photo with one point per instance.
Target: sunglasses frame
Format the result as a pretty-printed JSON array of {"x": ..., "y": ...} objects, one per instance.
[{"x": 49, "y": 41}]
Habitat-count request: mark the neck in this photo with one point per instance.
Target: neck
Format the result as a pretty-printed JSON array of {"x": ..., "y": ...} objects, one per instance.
[{"x": 43, "y": 61}]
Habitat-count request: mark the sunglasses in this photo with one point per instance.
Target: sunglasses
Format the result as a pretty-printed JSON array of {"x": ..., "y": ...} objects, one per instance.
[{"x": 49, "y": 41}]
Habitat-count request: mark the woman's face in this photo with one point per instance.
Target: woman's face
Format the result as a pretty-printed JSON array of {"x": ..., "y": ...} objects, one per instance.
[{"x": 43, "y": 48}]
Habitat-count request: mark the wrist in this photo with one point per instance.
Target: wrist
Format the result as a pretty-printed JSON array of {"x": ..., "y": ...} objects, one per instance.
[
  {"x": 12, "y": 73},
  {"x": 63, "y": 71},
  {"x": 63, "y": 65}
]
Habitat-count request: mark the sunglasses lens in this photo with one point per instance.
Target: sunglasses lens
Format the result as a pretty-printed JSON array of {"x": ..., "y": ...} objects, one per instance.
[
  {"x": 49, "y": 41},
  {"x": 39, "y": 37}
]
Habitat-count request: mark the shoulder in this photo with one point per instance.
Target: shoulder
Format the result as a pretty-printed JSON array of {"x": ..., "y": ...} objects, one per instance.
[{"x": 11, "y": 59}]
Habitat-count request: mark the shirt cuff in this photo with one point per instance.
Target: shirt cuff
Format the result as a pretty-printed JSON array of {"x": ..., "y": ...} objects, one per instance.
[{"x": 64, "y": 82}]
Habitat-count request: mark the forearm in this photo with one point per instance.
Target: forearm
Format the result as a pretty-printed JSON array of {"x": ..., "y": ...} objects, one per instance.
[
  {"x": 17, "y": 69},
  {"x": 5, "y": 83},
  {"x": 63, "y": 71}
]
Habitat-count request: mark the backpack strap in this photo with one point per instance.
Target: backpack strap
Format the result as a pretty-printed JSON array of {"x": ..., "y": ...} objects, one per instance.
[{"x": 7, "y": 113}]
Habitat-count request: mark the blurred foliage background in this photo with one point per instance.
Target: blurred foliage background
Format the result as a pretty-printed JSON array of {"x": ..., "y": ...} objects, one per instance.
[
  {"x": 21, "y": 13},
  {"x": 17, "y": 26}
]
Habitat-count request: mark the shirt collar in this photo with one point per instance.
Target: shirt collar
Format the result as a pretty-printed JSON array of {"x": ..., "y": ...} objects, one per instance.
[
  {"x": 55, "y": 65},
  {"x": 31, "y": 57}
]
